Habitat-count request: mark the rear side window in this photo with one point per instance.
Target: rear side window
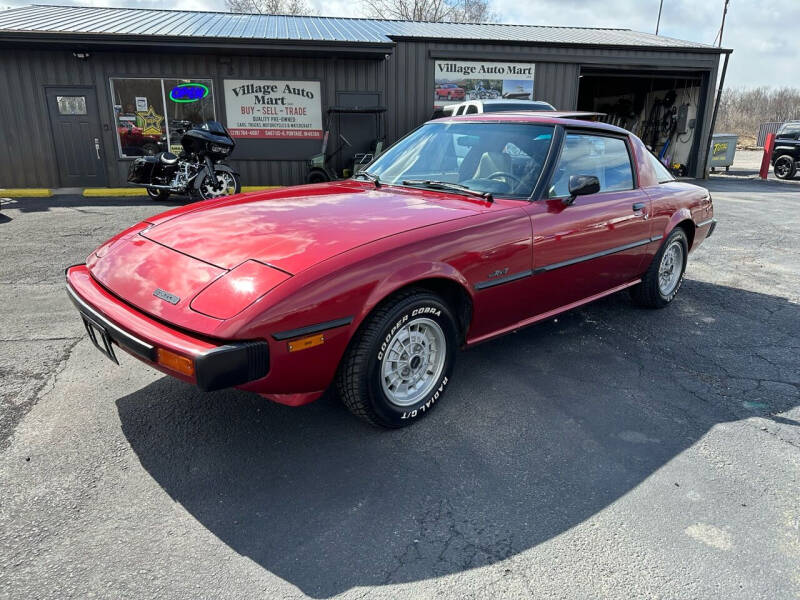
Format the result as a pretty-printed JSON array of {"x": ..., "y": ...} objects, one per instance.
[
  {"x": 606, "y": 158},
  {"x": 472, "y": 110},
  {"x": 662, "y": 173}
]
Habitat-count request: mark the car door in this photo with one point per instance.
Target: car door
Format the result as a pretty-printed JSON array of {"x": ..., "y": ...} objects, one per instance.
[{"x": 596, "y": 243}]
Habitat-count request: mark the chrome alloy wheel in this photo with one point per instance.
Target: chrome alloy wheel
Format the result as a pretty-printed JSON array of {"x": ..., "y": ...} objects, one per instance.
[
  {"x": 226, "y": 185},
  {"x": 670, "y": 269},
  {"x": 413, "y": 362}
]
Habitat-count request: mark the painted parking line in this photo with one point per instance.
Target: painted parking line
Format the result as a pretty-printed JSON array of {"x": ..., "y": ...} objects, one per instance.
[
  {"x": 259, "y": 188},
  {"x": 102, "y": 192},
  {"x": 25, "y": 192}
]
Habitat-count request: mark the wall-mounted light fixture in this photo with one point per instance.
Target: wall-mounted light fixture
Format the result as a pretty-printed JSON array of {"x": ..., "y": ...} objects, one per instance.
[{"x": 81, "y": 54}]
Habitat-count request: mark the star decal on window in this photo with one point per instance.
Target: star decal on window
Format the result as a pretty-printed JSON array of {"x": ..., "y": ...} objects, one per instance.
[{"x": 151, "y": 122}]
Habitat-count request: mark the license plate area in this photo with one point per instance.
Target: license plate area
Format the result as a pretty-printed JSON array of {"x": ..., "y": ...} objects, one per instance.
[{"x": 100, "y": 337}]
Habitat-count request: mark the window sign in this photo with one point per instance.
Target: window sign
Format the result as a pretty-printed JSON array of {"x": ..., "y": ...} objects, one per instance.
[
  {"x": 460, "y": 80},
  {"x": 150, "y": 118},
  {"x": 188, "y": 92},
  {"x": 273, "y": 109}
]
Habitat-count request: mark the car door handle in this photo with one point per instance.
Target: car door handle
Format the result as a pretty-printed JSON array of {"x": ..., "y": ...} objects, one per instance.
[{"x": 637, "y": 206}]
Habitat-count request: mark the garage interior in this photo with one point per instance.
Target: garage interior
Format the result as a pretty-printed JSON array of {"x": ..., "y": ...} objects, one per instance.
[{"x": 659, "y": 107}]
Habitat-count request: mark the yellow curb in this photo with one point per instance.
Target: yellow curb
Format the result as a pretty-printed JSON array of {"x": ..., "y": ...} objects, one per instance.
[
  {"x": 100, "y": 192},
  {"x": 26, "y": 193},
  {"x": 259, "y": 188}
]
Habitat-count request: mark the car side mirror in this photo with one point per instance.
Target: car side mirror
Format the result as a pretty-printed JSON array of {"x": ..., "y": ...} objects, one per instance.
[{"x": 581, "y": 185}]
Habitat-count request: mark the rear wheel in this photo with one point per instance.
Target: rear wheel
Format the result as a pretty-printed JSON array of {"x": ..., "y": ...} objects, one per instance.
[
  {"x": 157, "y": 194},
  {"x": 400, "y": 362},
  {"x": 664, "y": 277},
  {"x": 785, "y": 167}
]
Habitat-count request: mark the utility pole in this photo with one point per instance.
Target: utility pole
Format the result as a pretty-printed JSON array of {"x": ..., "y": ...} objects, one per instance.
[
  {"x": 660, "y": 6},
  {"x": 722, "y": 27}
]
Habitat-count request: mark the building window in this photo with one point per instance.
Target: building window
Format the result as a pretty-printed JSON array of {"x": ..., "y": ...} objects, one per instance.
[
  {"x": 152, "y": 114},
  {"x": 71, "y": 105}
]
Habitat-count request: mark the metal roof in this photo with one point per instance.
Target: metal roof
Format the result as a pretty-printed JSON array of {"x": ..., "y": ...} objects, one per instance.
[{"x": 80, "y": 21}]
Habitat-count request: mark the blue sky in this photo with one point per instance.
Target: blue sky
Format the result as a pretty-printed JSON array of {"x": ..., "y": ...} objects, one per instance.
[{"x": 764, "y": 52}]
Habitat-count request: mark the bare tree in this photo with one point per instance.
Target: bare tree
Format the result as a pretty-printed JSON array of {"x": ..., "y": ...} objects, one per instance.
[
  {"x": 439, "y": 11},
  {"x": 741, "y": 110},
  {"x": 269, "y": 7}
]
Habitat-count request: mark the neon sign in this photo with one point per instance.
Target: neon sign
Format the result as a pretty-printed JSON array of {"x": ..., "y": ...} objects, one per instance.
[{"x": 188, "y": 92}]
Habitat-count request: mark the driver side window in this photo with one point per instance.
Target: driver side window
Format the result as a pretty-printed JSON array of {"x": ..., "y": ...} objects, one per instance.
[{"x": 606, "y": 158}]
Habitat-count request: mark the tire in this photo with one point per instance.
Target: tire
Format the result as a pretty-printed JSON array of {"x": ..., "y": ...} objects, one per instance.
[
  {"x": 784, "y": 167},
  {"x": 317, "y": 176},
  {"x": 653, "y": 291},
  {"x": 364, "y": 383},
  {"x": 157, "y": 194},
  {"x": 233, "y": 185}
]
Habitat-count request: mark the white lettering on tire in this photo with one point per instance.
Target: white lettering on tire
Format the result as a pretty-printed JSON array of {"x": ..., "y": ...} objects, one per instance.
[
  {"x": 425, "y": 310},
  {"x": 423, "y": 407}
]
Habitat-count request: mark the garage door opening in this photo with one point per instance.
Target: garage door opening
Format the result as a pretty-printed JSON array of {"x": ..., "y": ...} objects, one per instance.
[{"x": 663, "y": 108}]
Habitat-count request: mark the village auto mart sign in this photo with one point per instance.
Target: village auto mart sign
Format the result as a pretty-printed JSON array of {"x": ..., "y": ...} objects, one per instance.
[
  {"x": 459, "y": 80},
  {"x": 273, "y": 109}
]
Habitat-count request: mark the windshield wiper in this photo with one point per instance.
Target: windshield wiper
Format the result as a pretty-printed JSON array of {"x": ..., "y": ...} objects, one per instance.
[
  {"x": 369, "y": 176},
  {"x": 451, "y": 187}
]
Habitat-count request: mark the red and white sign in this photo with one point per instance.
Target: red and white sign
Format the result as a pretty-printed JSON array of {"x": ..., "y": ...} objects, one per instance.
[{"x": 273, "y": 109}]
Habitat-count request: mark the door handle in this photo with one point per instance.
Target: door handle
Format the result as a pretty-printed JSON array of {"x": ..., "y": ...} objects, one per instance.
[
  {"x": 637, "y": 206},
  {"x": 97, "y": 147}
]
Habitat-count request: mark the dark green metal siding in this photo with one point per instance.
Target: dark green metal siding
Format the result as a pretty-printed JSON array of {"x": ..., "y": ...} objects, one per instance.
[{"x": 405, "y": 80}]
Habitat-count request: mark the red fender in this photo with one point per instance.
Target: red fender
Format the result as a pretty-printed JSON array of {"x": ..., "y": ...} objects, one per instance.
[{"x": 407, "y": 276}]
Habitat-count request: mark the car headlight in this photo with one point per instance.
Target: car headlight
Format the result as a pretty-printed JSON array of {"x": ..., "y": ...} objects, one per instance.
[{"x": 230, "y": 294}]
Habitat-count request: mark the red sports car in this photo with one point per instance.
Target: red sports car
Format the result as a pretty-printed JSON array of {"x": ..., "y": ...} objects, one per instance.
[{"x": 466, "y": 229}]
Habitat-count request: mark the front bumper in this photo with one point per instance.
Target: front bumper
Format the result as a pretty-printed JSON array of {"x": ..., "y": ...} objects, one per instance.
[{"x": 215, "y": 366}]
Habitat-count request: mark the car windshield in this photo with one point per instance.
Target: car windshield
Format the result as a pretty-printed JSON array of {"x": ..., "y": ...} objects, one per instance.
[{"x": 501, "y": 159}]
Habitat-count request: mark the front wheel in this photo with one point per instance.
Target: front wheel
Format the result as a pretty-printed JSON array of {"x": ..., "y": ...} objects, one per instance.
[
  {"x": 785, "y": 167},
  {"x": 664, "y": 277},
  {"x": 224, "y": 183},
  {"x": 401, "y": 360}
]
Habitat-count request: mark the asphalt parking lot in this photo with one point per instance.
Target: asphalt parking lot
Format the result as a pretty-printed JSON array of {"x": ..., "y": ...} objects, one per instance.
[{"x": 613, "y": 452}]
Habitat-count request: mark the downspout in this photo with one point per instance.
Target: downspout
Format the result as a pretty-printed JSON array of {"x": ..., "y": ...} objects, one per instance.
[{"x": 714, "y": 115}]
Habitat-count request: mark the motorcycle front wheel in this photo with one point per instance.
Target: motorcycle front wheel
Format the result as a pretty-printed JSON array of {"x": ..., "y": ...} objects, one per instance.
[{"x": 222, "y": 184}]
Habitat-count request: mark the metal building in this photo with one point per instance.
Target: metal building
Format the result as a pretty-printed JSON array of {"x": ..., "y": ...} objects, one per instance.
[{"x": 87, "y": 89}]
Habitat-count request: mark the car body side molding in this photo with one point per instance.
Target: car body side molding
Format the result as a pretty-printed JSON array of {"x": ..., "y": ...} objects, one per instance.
[
  {"x": 482, "y": 285},
  {"x": 586, "y": 257},
  {"x": 309, "y": 329}
]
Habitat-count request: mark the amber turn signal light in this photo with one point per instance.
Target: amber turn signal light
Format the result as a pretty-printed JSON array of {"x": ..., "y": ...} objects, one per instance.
[
  {"x": 306, "y": 342},
  {"x": 176, "y": 362}
]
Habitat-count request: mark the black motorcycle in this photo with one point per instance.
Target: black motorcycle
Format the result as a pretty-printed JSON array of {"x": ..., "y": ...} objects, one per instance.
[{"x": 198, "y": 171}]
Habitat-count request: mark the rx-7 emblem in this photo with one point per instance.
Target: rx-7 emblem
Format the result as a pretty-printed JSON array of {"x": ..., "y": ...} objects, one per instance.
[
  {"x": 171, "y": 298},
  {"x": 498, "y": 273}
]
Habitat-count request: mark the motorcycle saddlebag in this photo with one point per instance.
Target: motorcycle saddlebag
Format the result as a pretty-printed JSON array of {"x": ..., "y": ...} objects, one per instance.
[{"x": 142, "y": 170}]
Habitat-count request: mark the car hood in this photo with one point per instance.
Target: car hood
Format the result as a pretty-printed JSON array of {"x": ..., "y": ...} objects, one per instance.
[{"x": 295, "y": 228}]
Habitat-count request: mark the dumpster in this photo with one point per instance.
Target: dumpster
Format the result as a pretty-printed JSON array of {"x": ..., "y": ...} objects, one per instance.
[{"x": 723, "y": 149}]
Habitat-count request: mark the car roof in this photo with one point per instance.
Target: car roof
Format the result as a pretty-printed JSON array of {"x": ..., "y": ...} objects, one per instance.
[
  {"x": 509, "y": 101},
  {"x": 565, "y": 118}
]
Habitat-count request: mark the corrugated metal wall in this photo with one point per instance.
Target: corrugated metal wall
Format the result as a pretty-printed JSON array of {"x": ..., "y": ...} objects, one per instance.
[
  {"x": 406, "y": 80},
  {"x": 27, "y": 156}
]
